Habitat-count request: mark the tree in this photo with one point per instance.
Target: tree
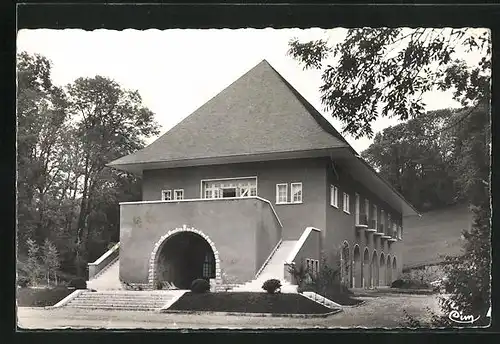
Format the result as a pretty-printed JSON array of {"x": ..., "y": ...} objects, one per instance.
[
  {"x": 385, "y": 71},
  {"x": 416, "y": 160},
  {"x": 41, "y": 121},
  {"x": 109, "y": 122},
  {"x": 66, "y": 135},
  {"x": 33, "y": 265},
  {"x": 50, "y": 259}
]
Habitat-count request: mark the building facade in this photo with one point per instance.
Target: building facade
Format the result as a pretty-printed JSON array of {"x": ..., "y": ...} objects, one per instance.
[{"x": 257, "y": 177}]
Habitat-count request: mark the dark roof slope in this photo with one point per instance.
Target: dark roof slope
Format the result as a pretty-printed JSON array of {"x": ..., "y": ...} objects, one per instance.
[{"x": 258, "y": 113}]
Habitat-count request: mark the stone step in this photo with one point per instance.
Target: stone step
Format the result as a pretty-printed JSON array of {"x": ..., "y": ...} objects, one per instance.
[
  {"x": 125, "y": 308},
  {"x": 87, "y": 301},
  {"x": 99, "y": 296}
]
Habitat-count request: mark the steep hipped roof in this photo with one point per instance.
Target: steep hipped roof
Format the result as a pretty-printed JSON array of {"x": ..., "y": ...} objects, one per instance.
[
  {"x": 258, "y": 113},
  {"x": 259, "y": 116}
]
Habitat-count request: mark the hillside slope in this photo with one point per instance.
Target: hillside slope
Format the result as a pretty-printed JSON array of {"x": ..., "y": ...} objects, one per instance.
[{"x": 436, "y": 233}]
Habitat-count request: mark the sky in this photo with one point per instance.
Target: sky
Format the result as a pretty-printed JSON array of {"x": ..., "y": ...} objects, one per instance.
[{"x": 177, "y": 71}]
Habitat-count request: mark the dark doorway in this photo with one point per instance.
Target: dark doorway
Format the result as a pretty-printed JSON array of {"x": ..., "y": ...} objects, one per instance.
[
  {"x": 183, "y": 258},
  {"x": 228, "y": 192}
]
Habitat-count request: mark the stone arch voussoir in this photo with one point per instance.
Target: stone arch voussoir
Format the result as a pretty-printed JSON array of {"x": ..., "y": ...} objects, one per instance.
[{"x": 152, "y": 278}]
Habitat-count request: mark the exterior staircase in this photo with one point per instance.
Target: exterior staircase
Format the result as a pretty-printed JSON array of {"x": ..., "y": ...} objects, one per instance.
[
  {"x": 274, "y": 268},
  {"x": 108, "y": 278},
  {"x": 125, "y": 300}
]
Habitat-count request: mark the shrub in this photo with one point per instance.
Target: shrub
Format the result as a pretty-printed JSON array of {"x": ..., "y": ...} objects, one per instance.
[
  {"x": 78, "y": 283},
  {"x": 272, "y": 286},
  {"x": 159, "y": 285},
  {"x": 412, "y": 280},
  {"x": 200, "y": 285},
  {"x": 23, "y": 282}
]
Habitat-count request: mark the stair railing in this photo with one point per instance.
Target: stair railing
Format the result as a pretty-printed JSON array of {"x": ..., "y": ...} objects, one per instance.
[{"x": 103, "y": 261}]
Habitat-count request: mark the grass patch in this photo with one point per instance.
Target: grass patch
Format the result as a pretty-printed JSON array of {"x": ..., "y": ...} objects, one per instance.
[
  {"x": 249, "y": 303},
  {"x": 34, "y": 297}
]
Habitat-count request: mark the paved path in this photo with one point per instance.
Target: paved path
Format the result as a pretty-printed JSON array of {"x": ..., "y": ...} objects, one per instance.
[{"x": 384, "y": 311}]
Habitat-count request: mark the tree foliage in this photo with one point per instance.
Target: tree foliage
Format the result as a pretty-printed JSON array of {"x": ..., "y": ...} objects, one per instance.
[
  {"x": 385, "y": 71},
  {"x": 66, "y": 136},
  {"x": 431, "y": 161},
  {"x": 432, "y": 158}
]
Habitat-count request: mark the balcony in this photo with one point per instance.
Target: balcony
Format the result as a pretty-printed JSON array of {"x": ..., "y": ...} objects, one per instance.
[
  {"x": 380, "y": 230},
  {"x": 372, "y": 227},
  {"x": 242, "y": 229},
  {"x": 362, "y": 221}
]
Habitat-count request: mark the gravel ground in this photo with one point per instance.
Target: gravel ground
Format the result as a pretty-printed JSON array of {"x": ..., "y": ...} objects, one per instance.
[{"x": 378, "y": 312}]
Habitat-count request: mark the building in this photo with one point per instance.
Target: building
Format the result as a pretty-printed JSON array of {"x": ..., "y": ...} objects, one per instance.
[{"x": 253, "y": 181}]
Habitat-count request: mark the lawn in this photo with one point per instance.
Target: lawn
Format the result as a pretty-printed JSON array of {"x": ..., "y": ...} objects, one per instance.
[
  {"x": 43, "y": 297},
  {"x": 249, "y": 303},
  {"x": 436, "y": 232}
]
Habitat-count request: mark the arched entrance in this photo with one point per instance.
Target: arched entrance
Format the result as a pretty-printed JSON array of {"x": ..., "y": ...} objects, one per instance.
[
  {"x": 374, "y": 266},
  {"x": 367, "y": 283},
  {"x": 388, "y": 267},
  {"x": 345, "y": 264},
  {"x": 357, "y": 268},
  {"x": 382, "y": 270},
  {"x": 394, "y": 268},
  {"x": 183, "y": 255}
]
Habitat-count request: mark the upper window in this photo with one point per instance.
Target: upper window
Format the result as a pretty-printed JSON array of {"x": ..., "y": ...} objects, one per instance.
[
  {"x": 229, "y": 187},
  {"x": 178, "y": 194},
  {"x": 296, "y": 192},
  {"x": 346, "y": 203},
  {"x": 281, "y": 193},
  {"x": 334, "y": 196},
  {"x": 166, "y": 195}
]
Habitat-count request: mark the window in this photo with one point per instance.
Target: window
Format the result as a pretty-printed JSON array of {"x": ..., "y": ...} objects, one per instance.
[
  {"x": 179, "y": 194},
  {"x": 166, "y": 195},
  {"x": 296, "y": 190},
  {"x": 334, "y": 196},
  {"x": 208, "y": 266},
  {"x": 346, "y": 204},
  {"x": 229, "y": 187},
  {"x": 281, "y": 193},
  {"x": 228, "y": 192}
]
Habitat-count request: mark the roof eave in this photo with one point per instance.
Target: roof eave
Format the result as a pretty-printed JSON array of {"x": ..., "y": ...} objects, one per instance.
[{"x": 412, "y": 210}]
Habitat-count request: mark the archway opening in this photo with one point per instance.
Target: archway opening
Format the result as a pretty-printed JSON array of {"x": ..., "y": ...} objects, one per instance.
[
  {"x": 374, "y": 264},
  {"x": 366, "y": 269},
  {"x": 184, "y": 257},
  {"x": 394, "y": 268},
  {"x": 388, "y": 266},
  {"x": 382, "y": 270},
  {"x": 357, "y": 269}
]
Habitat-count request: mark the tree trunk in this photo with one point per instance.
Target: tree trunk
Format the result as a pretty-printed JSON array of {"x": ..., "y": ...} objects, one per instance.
[{"x": 81, "y": 217}]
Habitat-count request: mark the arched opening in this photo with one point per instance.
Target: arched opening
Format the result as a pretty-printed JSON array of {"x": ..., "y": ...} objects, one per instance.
[
  {"x": 374, "y": 276},
  {"x": 357, "y": 268},
  {"x": 367, "y": 283},
  {"x": 345, "y": 260},
  {"x": 388, "y": 270},
  {"x": 183, "y": 257},
  {"x": 382, "y": 270},
  {"x": 394, "y": 268}
]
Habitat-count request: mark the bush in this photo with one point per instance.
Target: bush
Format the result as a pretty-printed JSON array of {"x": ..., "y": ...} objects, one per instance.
[
  {"x": 272, "y": 286},
  {"x": 23, "y": 282},
  {"x": 78, "y": 283},
  {"x": 412, "y": 280},
  {"x": 200, "y": 285}
]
